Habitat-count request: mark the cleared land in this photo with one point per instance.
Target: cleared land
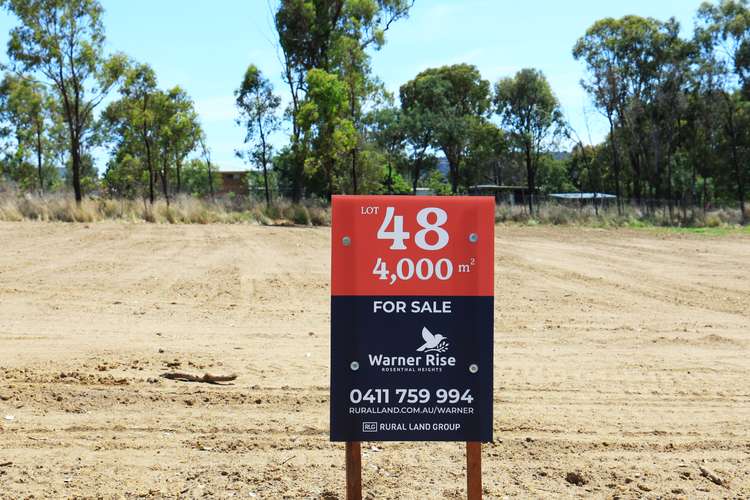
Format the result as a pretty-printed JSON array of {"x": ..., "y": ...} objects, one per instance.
[{"x": 621, "y": 355}]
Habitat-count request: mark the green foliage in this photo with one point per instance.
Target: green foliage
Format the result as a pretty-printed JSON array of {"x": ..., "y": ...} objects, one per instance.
[
  {"x": 451, "y": 100},
  {"x": 397, "y": 183},
  {"x": 332, "y": 37},
  {"x": 327, "y": 130},
  {"x": 88, "y": 175},
  {"x": 553, "y": 176},
  {"x": 50, "y": 28},
  {"x": 437, "y": 182},
  {"x": 124, "y": 177},
  {"x": 487, "y": 149},
  {"x": 531, "y": 114},
  {"x": 157, "y": 128},
  {"x": 723, "y": 35},
  {"x": 678, "y": 111},
  {"x": 387, "y": 130},
  {"x": 258, "y": 107},
  {"x": 196, "y": 180},
  {"x": 31, "y": 117}
]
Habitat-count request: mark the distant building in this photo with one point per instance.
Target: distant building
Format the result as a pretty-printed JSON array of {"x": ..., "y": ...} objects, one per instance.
[
  {"x": 234, "y": 182},
  {"x": 584, "y": 198}
]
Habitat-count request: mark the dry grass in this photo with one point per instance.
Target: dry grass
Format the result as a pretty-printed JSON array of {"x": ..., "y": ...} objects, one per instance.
[
  {"x": 181, "y": 210},
  {"x": 189, "y": 210},
  {"x": 633, "y": 216}
]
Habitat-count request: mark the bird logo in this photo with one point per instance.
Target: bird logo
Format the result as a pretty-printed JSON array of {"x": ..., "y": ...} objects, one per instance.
[{"x": 433, "y": 343}]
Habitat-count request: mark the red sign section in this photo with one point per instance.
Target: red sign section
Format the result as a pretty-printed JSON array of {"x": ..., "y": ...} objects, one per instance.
[{"x": 413, "y": 245}]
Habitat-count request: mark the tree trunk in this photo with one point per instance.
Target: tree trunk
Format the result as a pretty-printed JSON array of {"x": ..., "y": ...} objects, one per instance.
[
  {"x": 530, "y": 179},
  {"x": 418, "y": 168},
  {"x": 265, "y": 182},
  {"x": 616, "y": 164},
  {"x": 453, "y": 161},
  {"x": 210, "y": 179},
  {"x": 299, "y": 171},
  {"x": 39, "y": 158},
  {"x": 165, "y": 180},
  {"x": 739, "y": 180},
  {"x": 389, "y": 182},
  {"x": 354, "y": 170},
  {"x": 149, "y": 163},
  {"x": 151, "y": 182},
  {"x": 178, "y": 169},
  {"x": 298, "y": 166},
  {"x": 264, "y": 160},
  {"x": 353, "y": 115},
  {"x": 330, "y": 181},
  {"x": 692, "y": 197},
  {"x": 671, "y": 199},
  {"x": 636, "y": 164},
  {"x": 75, "y": 154},
  {"x": 415, "y": 179},
  {"x": 71, "y": 119},
  {"x": 736, "y": 162},
  {"x": 740, "y": 193}
]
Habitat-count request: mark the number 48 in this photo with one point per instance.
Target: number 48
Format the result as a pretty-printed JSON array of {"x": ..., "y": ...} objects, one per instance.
[{"x": 398, "y": 235}]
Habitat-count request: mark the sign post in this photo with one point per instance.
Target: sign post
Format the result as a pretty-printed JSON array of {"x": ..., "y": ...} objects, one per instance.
[
  {"x": 411, "y": 324},
  {"x": 473, "y": 470},
  {"x": 353, "y": 470}
]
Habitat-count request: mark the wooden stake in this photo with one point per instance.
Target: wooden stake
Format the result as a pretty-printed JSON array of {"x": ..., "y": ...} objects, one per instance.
[
  {"x": 474, "y": 470},
  {"x": 353, "y": 471}
]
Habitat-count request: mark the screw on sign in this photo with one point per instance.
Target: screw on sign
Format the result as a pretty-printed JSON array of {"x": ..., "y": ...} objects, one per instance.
[{"x": 411, "y": 324}]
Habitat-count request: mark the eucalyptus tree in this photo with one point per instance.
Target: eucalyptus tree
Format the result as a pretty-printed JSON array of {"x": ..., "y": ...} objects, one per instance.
[
  {"x": 638, "y": 74},
  {"x": 177, "y": 131},
  {"x": 458, "y": 99},
  {"x": 185, "y": 131},
  {"x": 724, "y": 29},
  {"x": 332, "y": 36},
  {"x": 131, "y": 119},
  {"x": 27, "y": 107},
  {"x": 258, "y": 107},
  {"x": 612, "y": 52},
  {"x": 62, "y": 43},
  {"x": 531, "y": 114},
  {"x": 199, "y": 178},
  {"x": 667, "y": 109},
  {"x": 205, "y": 152},
  {"x": 327, "y": 130},
  {"x": 159, "y": 128},
  {"x": 389, "y": 134},
  {"x": 486, "y": 151},
  {"x": 419, "y": 122}
]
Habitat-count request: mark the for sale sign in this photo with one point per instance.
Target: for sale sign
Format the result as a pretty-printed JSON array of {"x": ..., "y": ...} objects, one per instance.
[{"x": 411, "y": 318}]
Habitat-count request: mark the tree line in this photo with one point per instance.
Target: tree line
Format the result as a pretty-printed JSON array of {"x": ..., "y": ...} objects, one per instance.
[
  {"x": 676, "y": 108},
  {"x": 51, "y": 93}
]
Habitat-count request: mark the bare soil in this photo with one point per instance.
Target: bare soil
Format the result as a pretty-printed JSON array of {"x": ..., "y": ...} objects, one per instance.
[{"x": 622, "y": 367}]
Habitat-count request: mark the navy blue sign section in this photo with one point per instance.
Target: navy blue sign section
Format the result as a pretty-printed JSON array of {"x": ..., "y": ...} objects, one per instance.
[{"x": 411, "y": 368}]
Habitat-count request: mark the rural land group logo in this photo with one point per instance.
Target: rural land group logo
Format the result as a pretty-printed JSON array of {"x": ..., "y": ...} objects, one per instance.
[{"x": 432, "y": 358}]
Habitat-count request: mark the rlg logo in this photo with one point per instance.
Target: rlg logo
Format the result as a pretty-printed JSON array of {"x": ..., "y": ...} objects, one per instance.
[{"x": 369, "y": 427}]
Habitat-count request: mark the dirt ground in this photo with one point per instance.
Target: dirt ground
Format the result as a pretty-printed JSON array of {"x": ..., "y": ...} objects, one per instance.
[{"x": 621, "y": 356}]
